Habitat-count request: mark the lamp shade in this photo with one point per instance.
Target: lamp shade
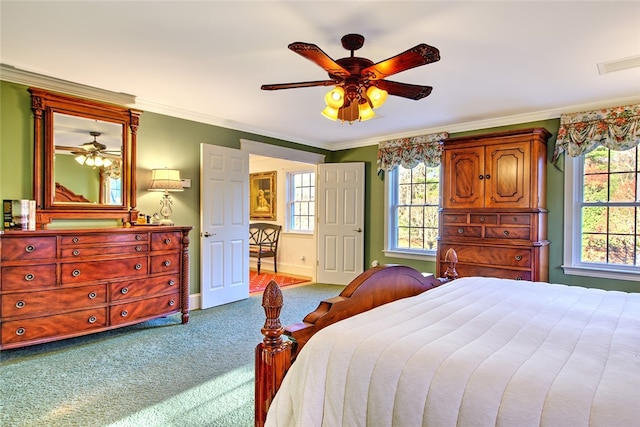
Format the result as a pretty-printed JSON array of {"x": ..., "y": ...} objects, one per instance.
[{"x": 165, "y": 179}]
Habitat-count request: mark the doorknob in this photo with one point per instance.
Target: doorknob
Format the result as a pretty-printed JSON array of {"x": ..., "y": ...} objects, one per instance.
[
  {"x": 207, "y": 234},
  {"x": 359, "y": 230}
]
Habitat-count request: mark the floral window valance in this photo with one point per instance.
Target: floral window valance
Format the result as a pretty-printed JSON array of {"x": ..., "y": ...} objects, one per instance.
[
  {"x": 616, "y": 128},
  {"x": 408, "y": 152}
]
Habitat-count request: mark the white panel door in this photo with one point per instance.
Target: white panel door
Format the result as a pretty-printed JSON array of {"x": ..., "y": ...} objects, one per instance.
[
  {"x": 340, "y": 222},
  {"x": 224, "y": 247}
]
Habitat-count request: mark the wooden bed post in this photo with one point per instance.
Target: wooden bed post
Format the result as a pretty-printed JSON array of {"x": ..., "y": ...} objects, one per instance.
[
  {"x": 451, "y": 259},
  {"x": 273, "y": 354}
]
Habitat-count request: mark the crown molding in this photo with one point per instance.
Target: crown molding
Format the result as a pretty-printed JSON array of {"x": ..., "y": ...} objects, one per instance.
[{"x": 15, "y": 75}]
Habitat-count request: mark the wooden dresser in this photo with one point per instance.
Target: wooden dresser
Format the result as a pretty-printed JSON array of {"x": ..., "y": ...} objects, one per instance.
[
  {"x": 57, "y": 284},
  {"x": 494, "y": 205}
]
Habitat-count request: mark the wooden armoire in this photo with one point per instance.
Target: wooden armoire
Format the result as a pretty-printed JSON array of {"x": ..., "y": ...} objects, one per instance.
[{"x": 493, "y": 211}]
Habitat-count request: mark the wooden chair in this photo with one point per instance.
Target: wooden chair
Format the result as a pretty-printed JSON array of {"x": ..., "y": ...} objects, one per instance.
[{"x": 263, "y": 242}]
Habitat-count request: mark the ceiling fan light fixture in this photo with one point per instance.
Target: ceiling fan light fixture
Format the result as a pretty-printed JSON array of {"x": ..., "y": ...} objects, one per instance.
[
  {"x": 90, "y": 161},
  {"x": 365, "y": 111},
  {"x": 80, "y": 159},
  {"x": 335, "y": 97},
  {"x": 106, "y": 162},
  {"x": 330, "y": 113},
  {"x": 376, "y": 96}
]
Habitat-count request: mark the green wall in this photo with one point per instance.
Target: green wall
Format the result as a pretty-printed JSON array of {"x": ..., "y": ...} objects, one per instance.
[{"x": 175, "y": 143}]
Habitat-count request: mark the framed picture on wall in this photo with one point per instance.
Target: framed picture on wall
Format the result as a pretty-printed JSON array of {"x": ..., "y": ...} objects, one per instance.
[{"x": 262, "y": 192}]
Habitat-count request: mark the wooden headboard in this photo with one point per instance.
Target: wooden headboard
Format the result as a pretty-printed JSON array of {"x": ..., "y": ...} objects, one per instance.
[{"x": 63, "y": 194}]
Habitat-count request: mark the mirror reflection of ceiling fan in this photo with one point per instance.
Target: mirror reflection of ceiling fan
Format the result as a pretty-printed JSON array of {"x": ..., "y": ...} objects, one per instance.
[{"x": 93, "y": 153}]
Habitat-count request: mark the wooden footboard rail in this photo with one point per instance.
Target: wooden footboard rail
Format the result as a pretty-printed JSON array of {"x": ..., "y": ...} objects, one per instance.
[{"x": 374, "y": 287}]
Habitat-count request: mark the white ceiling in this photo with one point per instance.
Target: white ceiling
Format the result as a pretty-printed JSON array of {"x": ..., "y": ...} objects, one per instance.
[{"x": 502, "y": 62}]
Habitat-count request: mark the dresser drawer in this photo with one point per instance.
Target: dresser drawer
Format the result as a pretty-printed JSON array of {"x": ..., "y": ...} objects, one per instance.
[
  {"x": 18, "y": 249},
  {"x": 28, "y": 277},
  {"x": 104, "y": 250},
  {"x": 523, "y": 233},
  {"x": 75, "y": 240},
  {"x": 461, "y": 231},
  {"x": 165, "y": 241},
  {"x": 43, "y": 302},
  {"x": 147, "y": 308},
  {"x": 514, "y": 257},
  {"x": 79, "y": 272},
  {"x": 52, "y": 327},
  {"x": 168, "y": 263},
  {"x": 143, "y": 287}
]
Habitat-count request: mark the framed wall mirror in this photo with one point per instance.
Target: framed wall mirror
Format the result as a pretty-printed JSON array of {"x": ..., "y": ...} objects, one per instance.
[{"x": 84, "y": 158}]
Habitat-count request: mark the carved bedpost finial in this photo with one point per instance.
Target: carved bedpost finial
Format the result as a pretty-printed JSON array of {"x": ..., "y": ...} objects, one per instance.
[
  {"x": 273, "y": 355},
  {"x": 451, "y": 259},
  {"x": 272, "y": 304}
]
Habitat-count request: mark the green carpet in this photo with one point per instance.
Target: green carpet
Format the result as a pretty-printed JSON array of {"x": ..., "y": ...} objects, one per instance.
[{"x": 157, "y": 373}]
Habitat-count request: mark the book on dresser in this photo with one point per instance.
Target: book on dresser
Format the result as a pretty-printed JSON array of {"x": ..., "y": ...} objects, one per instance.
[
  {"x": 493, "y": 210},
  {"x": 57, "y": 284}
]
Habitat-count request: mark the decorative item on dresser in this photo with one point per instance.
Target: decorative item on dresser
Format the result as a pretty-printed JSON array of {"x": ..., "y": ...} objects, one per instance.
[
  {"x": 494, "y": 205},
  {"x": 57, "y": 284}
]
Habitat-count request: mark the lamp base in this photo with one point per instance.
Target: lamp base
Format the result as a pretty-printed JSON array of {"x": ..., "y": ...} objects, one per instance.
[{"x": 165, "y": 221}]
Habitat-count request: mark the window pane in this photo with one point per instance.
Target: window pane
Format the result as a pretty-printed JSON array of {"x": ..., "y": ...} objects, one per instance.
[
  {"x": 404, "y": 176},
  {"x": 431, "y": 217},
  {"x": 417, "y": 216},
  {"x": 433, "y": 193},
  {"x": 621, "y": 220},
  {"x": 623, "y": 161},
  {"x": 417, "y": 194},
  {"x": 416, "y": 238},
  {"x": 621, "y": 249},
  {"x": 431, "y": 238},
  {"x": 403, "y": 237},
  {"x": 404, "y": 194},
  {"x": 594, "y": 220},
  {"x": 403, "y": 216},
  {"x": 623, "y": 187},
  {"x": 594, "y": 248},
  {"x": 596, "y": 188},
  {"x": 301, "y": 208},
  {"x": 597, "y": 161}
]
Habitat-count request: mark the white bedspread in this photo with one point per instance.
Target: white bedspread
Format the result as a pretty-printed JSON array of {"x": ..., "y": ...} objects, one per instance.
[{"x": 474, "y": 352}]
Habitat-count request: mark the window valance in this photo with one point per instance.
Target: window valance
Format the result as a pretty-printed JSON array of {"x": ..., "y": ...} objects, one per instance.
[
  {"x": 408, "y": 152},
  {"x": 616, "y": 128}
]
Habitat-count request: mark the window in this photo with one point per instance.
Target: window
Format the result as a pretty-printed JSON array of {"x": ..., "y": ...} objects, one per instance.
[
  {"x": 301, "y": 201},
  {"x": 602, "y": 214},
  {"x": 413, "y": 201}
]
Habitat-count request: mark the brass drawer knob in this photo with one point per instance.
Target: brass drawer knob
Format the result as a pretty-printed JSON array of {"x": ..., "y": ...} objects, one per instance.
[
  {"x": 29, "y": 277},
  {"x": 30, "y": 248},
  {"x": 172, "y": 282},
  {"x": 518, "y": 278},
  {"x": 460, "y": 230},
  {"x": 505, "y": 232},
  {"x": 20, "y": 304},
  {"x": 481, "y": 219},
  {"x": 138, "y": 266},
  {"x": 138, "y": 237},
  {"x": 124, "y": 313},
  {"x": 124, "y": 291},
  {"x": 514, "y": 219},
  {"x": 138, "y": 248},
  {"x": 92, "y": 319},
  {"x": 75, "y": 240},
  {"x": 92, "y": 295},
  {"x": 167, "y": 241},
  {"x": 167, "y": 263},
  {"x": 75, "y": 273},
  {"x": 76, "y": 252},
  {"x": 20, "y": 331},
  {"x": 172, "y": 303},
  {"x": 518, "y": 257}
]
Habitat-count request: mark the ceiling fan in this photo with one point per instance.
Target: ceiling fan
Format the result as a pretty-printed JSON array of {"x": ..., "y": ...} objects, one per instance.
[
  {"x": 92, "y": 153},
  {"x": 360, "y": 84}
]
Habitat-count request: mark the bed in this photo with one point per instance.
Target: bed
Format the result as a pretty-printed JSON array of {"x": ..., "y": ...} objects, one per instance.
[{"x": 470, "y": 352}]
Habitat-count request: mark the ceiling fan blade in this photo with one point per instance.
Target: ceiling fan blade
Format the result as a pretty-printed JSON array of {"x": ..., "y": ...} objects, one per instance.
[
  {"x": 419, "y": 55},
  {"x": 315, "y": 54},
  {"x": 297, "y": 85},
  {"x": 65, "y": 148},
  {"x": 404, "y": 90}
]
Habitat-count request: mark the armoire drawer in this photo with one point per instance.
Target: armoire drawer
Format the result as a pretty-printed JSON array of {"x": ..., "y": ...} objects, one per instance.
[
  {"x": 51, "y": 301},
  {"x": 54, "y": 326},
  {"x": 150, "y": 307},
  {"x": 519, "y": 233},
  {"x": 143, "y": 287},
  {"x": 28, "y": 277},
  {"x": 21, "y": 249},
  {"x": 79, "y": 272},
  {"x": 491, "y": 255},
  {"x": 468, "y": 270},
  {"x": 461, "y": 231}
]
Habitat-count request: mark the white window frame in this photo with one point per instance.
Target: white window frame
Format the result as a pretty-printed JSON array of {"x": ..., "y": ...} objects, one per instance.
[
  {"x": 391, "y": 221},
  {"x": 290, "y": 199},
  {"x": 574, "y": 170}
]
